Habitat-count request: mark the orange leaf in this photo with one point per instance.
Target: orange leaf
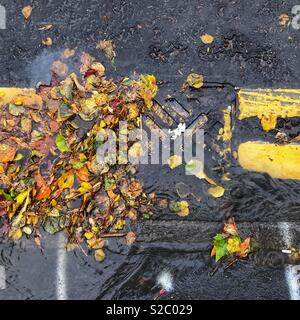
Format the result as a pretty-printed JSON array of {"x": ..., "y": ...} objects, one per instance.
[
  {"x": 83, "y": 174},
  {"x": 213, "y": 251},
  {"x": 244, "y": 247},
  {"x": 43, "y": 190},
  {"x": 231, "y": 228}
]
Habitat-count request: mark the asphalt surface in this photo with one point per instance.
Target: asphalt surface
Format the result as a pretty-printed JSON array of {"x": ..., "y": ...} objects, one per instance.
[{"x": 162, "y": 37}]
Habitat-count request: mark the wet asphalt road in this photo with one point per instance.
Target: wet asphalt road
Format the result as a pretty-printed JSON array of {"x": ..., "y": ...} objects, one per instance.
[{"x": 162, "y": 37}]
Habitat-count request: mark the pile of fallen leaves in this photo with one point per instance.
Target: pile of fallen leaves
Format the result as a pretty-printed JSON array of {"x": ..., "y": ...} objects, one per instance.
[
  {"x": 230, "y": 244},
  {"x": 49, "y": 174}
]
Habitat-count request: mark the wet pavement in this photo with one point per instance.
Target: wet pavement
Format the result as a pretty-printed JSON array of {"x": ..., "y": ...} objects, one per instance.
[{"x": 162, "y": 37}]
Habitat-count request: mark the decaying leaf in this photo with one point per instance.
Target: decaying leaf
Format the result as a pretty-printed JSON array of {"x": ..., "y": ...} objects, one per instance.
[
  {"x": 107, "y": 47},
  {"x": 207, "y": 38},
  {"x": 195, "y": 80},
  {"x": 99, "y": 255},
  {"x": 216, "y": 191},
  {"x": 27, "y": 11},
  {"x": 47, "y": 42},
  {"x": 135, "y": 189},
  {"x": 284, "y": 20},
  {"x": 59, "y": 68},
  {"x": 174, "y": 161},
  {"x": 231, "y": 228},
  {"x": 130, "y": 238},
  {"x": 68, "y": 53},
  {"x": 180, "y": 207},
  {"x": 7, "y": 152},
  {"x": 43, "y": 190}
]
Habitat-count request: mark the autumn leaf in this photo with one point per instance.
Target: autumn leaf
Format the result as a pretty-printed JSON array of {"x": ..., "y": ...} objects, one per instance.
[
  {"x": 174, "y": 161},
  {"x": 59, "y": 68},
  {"x": 195, "y": 80},
  {"x": 83, "y": 174},
  {"x": 7, "y": 152},
  {"x": 68, "y": 53},
  {"x": 61, "y": 143},
  {"x": 27, "y": 11},
  {"x": 43, "y": 146},
  {"x": 107, "y": 47},
  {"x": 233, "y": 244},
  {"x": 95, "y": 243},
  {"x": 21, "y": 197},
  {"x": 180, "y": 207},
  {"x": 231, "y": 228},
  {"x": 216, "y": 191},
  {"x": 207, "y": 38},
  {"x": 43, "y": 190},
  {"x": 47, "y": 42},
  {"x": 135, "y": 189},
  {"x": 99, "y": 255},
  {"x": 66, "y": 181},
  {"x": 221, "y": 247},
  {"x": 284, "y": 20},
  {"x": 16, "y": 234},
  {"x": 130, "y": 238},
  {"x": 245, "y": 247}
]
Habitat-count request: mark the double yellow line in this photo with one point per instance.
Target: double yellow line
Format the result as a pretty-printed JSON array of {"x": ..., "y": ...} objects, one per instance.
[{"x": 279, "y": 161}]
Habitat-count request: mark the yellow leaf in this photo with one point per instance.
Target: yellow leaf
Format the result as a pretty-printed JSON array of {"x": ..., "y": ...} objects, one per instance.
[
  {"x": 136, "y": 150},
  {"x": 233, "y": 245},
  {"x": 96, "y": 243},
  {"x": 89, "y": 235},
  {"x": 184, "y": 209},
  {"x": 119, "y": 225},
  {"x": 16, "y": 234},
  {"x": 216, "y": 191},
  {"x": 66, "y": 181},
  {"x": 26, "y": 11},
  {"x": 207, "y": 38},
  {"x": 68, "y": 53},
  {"x": 174, "y": 161},
  {"x": 85, "y": 187},
  {"x": 99, "y": 255},
  {"x": 195, "y": 80},
  {"x": 47, "y": 42},
  {"x": 21, "y": 197}
]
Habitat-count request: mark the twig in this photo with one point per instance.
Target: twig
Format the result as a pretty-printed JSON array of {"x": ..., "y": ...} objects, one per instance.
[
  {"x": 231, "y": 263},
  {"x": 111, "y": 235}
]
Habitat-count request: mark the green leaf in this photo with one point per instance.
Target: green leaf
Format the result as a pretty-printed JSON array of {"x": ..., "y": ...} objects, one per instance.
[
  {"x": 221, "y": 247},
  {"x": 109, "y": 184},
  {"x": 7, "y": 196},
  {"x": 175, "y": 206},
  {"x": 62, "y": 144}
]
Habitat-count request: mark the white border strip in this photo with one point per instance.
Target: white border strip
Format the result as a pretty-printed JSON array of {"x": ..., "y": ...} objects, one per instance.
[
  {"x": 61, "y": 276},
  {"x": 291, "y": 271}
]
